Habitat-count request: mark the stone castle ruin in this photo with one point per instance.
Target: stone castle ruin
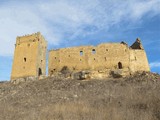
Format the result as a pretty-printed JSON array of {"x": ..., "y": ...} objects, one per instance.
[
  {"x": 101, "y": 61},
  {"x": 29, "y": 56}
]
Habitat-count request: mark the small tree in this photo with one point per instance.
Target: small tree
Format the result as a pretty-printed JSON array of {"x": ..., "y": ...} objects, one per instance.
[{"x": 65, "y": 70}]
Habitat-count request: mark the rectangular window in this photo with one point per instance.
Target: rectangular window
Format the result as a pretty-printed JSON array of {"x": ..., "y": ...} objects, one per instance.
[
  {"x": 93, "y": 51},
  {"x": 81, "y": 53}
]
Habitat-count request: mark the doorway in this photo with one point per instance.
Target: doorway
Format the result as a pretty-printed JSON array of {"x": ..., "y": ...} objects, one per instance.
[
  {"x": 119, "y": 65},
  {"x": 39, "y": 72}
]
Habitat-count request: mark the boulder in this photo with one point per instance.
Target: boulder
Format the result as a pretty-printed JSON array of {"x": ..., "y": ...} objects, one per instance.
[{"x": 116, "y": 73}]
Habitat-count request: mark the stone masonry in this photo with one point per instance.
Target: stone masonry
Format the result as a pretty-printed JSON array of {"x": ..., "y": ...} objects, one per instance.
[
  {"x": 97, "y": 61},
  {"x": 29, "y": 56},
  {"x": 100, "y": 60}
]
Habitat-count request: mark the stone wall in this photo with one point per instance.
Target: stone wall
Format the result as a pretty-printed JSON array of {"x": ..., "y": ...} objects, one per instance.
[
  {"x": 96, "y": 58},
  {"x": 138, "y": 60},
  {"x": 103, "y": 58},
  {"x": 99, "y": 61},
  {"x": 138, "y": 57},
  {"x": 29, "y": 56}
]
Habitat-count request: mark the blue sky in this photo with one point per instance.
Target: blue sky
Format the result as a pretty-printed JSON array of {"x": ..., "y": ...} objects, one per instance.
[{"x": 66, "y": 23}]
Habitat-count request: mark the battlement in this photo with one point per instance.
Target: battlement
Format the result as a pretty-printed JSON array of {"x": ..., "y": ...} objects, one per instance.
[
  {"x": 36, "y": 37},
  {"x": 28, "y": 35}
]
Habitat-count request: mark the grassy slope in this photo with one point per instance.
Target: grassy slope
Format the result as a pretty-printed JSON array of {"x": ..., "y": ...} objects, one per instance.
[{"x": 135, "y": 98}]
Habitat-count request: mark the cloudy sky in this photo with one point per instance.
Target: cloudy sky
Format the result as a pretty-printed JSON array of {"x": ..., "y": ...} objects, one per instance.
[{"x": 66, "y": 23}]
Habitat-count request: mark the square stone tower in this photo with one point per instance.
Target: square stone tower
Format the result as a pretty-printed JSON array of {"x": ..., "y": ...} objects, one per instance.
[{"x": 29, "y": 56}]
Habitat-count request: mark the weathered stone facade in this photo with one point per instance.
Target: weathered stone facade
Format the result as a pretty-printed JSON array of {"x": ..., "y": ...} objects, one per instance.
[
  {"x": 29, "y": 56},
  {"x": 100, "y": 60}
]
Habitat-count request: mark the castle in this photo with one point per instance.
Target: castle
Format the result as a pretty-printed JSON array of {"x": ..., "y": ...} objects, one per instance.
[{"x": 99, "y": 61}]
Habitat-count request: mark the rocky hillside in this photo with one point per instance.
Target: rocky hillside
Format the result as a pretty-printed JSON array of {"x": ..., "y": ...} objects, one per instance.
[{"x": 133, "y": 98}]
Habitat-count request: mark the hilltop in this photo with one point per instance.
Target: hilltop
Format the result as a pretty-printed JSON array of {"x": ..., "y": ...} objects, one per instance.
[{"x": 131, "y": 98}]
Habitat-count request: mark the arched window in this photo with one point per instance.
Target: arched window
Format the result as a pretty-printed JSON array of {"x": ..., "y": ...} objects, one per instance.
[{"x": 119, "y": 65}]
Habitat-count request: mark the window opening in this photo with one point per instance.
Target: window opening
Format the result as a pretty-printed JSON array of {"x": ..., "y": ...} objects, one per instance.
[
  {"x": 39, "y": 72},
  {"x": 25, "y": 59},
  {"x": 93, "y": 51},
  {"x": 119, "y": 65},
  {"x": 81, "y": 53},
  {"x": 51, "y": 72}
]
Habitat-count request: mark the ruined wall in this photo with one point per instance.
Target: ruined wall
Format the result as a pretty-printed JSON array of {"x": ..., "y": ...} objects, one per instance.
[
  {"x": 138, "y": 57},
  {"x": 106, "y": 56},
  {"x": 29, "y": 56},
  {"x": 138, "y": 60}
]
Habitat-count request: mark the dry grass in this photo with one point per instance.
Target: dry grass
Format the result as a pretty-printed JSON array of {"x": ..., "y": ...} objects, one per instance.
[{"x": 135, "y": 98}]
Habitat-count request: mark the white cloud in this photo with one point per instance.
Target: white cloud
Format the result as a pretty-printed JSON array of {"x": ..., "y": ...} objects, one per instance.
[
  {"x": 57, "y": 18},
  {"x": 154, "y": 64}
]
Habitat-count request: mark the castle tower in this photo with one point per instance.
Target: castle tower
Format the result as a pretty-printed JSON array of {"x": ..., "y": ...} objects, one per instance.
[
  {"x": 138, "y": 57},
  {"x": 29, "y": 56}
]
